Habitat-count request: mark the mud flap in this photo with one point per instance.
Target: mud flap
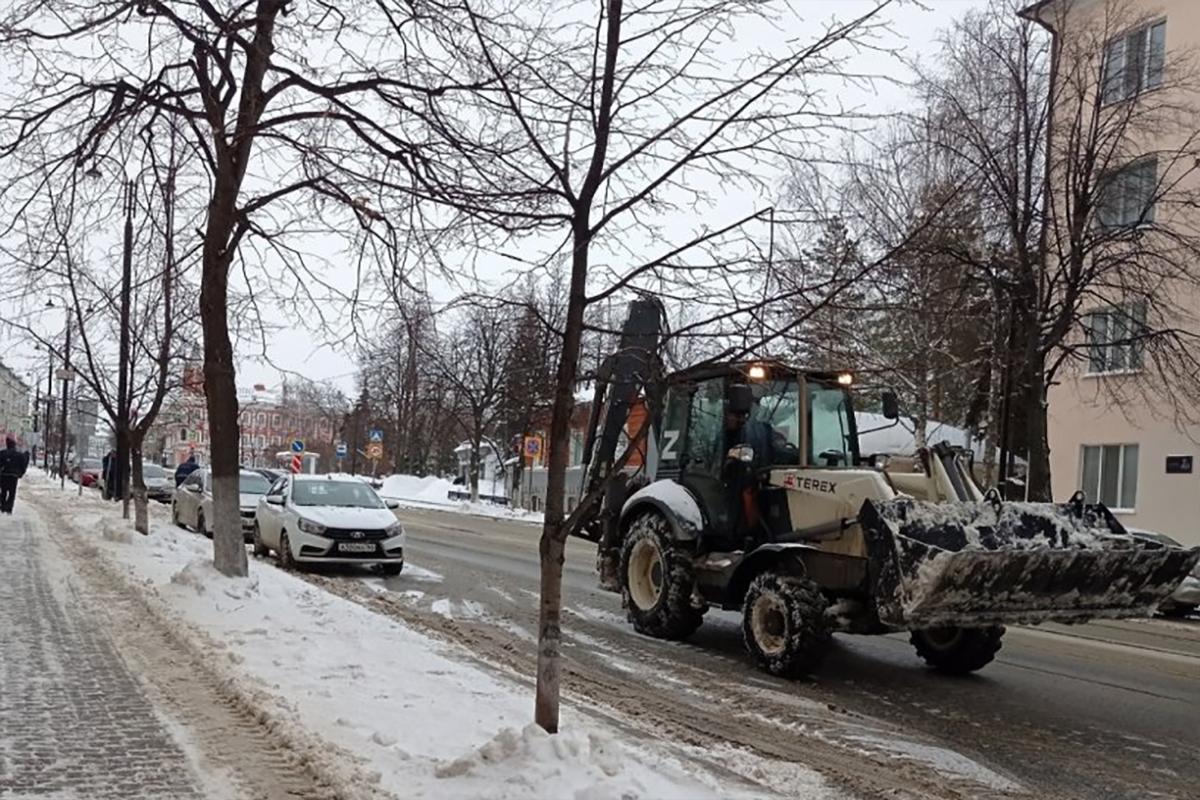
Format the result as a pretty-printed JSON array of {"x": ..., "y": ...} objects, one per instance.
[{"x": 987, "y": 563}]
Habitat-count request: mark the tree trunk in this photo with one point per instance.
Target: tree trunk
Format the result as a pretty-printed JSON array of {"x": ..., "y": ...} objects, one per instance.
[
  {"x": 220, "y": 389},
  {"x": 141, "y": 514},
  {"x": 473, "y": 469},
  {"x": 553, "y": 543},
  {"x": 1037, "y": 477}
]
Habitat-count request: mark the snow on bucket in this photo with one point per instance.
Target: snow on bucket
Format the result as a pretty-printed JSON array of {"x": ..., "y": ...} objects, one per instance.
[{"x": 975, "y": 564}]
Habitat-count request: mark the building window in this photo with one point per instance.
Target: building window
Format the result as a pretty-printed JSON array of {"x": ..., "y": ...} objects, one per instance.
[
  {"x": 1115, "y": 337},
  {"x": 1110, "y": 474},
  {"x": 1133, "y": 61},
  {"x": 1126, "y": 196}
]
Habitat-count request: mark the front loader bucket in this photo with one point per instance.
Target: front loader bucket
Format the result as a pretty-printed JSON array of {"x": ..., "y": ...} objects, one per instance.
[{"x": 975, "y": 564}]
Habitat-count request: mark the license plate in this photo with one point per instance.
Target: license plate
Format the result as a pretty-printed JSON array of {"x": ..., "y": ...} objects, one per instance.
[{"x": 356, "y": 547}]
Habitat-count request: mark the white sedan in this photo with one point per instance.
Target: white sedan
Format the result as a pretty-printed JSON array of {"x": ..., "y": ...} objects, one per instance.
[
  {"x": 321, "y": 519},
  {"x": 192, "y": 503}
]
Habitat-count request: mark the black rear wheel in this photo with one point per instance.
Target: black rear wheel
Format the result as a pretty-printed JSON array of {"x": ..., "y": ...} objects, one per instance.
[
  {"x": 260, "y": 549},
  {"x": 784, "y": 625},
  {"x": 657, "y": 581},
  {"x": 957, "y": 651}
]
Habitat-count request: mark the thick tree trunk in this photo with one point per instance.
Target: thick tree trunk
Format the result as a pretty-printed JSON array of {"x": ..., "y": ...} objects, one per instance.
[
  {"x": 1033, "y": 401},
  {"x": 220, "y": 389},
  {"x": 141, "y": 515},
  {"x": 473, "y": 469}
]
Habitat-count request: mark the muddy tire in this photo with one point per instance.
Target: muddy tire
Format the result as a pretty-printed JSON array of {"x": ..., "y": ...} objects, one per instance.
[
  {"x": 284, "y": 553},
  {"x": 260, "y": 549},
  {"x": 784, "y": 625},
  {"x": 657, "y": 581},
  {"x": 957, "y": 651},
  {"x": 200, "y": 527}
]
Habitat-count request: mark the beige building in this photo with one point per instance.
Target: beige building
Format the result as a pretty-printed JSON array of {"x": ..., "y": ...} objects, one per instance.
[
  {"x": 14, "y": 405},
  {"x": 1111, "y": 433}
]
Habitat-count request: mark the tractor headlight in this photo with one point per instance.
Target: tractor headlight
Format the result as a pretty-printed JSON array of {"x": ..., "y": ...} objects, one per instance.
[
  {"x": 845, "y": 379},
  {"x": 308, "y": 526}
]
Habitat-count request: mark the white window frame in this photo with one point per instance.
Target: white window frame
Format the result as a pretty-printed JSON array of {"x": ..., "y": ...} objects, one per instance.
[
  {"x": 1123, "y": 447},
  {"x": 1111, "y": 314},
  {"x": 1150, "y": 73}
]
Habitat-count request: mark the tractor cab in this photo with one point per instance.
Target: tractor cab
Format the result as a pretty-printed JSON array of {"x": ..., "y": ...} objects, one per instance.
[{"x": 725, "y": 429}]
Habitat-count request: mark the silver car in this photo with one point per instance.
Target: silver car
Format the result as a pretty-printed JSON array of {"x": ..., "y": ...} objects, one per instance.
[
  {"x": 1185, "y": 599},
  {"x": 192, "y": 504}
]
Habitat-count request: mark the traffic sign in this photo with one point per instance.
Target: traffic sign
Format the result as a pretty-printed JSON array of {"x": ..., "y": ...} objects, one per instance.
[
  {"x": 341, "y": 451},
  {"x": 533, "y": 448},
  {"x": 375, "y": 435},
  {"x": 298, "y": 446},
  {"x": 374, "y": 451}
]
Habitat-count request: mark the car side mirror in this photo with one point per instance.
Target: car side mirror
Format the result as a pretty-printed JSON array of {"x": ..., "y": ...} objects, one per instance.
[
  {"x": 739, "y": 399},
  {"x": 891, "y": 405},
  {"x": 275, "y": 499},
  {"x": 741, "y": 452},
  {"x": 392, "y": 504}
]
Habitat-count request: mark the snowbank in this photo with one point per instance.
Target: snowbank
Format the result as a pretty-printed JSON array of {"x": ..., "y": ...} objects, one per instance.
[
  {"x": 433, "y": 493},
  {"x": 422, "y": 490},
  {"x": 390, "y": 710}
]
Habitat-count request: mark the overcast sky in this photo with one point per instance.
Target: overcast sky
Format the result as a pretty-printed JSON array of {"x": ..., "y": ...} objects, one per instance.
[{"x": 296, "y": 349}]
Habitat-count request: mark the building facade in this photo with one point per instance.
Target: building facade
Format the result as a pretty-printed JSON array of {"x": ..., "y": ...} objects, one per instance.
[
  {"x": 1112, "y": 433},
  {"x": 14, "y": 405},
  {"x": 269, "y": 423}
]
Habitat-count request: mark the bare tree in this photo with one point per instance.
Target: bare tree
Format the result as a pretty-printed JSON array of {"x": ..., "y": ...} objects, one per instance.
[
  {"x": 276, "y": 99},
  {"x": 594, "y": 124},
  {"x": 1050, "y": 134}
]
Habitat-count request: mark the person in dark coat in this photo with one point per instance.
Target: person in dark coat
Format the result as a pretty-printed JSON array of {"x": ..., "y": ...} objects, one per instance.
[
  {"x": 12, "y": 468},
  {"x": 108, "y": 468},
  {"x": 185, "y": 469}
]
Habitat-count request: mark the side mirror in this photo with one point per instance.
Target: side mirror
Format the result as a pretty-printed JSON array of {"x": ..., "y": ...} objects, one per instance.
[
  {"x": 739, "y": 399},
  {"x": 275, "y": 499},
  {"x": 741, "y": 452},
  {"x": 891, "y": 405},
  {"x": 392, "y": 504}
]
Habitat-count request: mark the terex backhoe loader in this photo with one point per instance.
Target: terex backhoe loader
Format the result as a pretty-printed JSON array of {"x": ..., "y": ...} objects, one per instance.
[{"x": 752, "y": 495}]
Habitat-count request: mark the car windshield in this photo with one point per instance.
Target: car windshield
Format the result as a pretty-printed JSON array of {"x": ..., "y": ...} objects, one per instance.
[
  {"x": 253, "y": 484},
  {"x": 153, "y": 471},
  {"x": 345, "y": 494}
]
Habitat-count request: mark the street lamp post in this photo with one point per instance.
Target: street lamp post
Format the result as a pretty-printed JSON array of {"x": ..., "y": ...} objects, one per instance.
[
  {"x": 62, "y": 436},
  {"x": 121, "y": 473}
]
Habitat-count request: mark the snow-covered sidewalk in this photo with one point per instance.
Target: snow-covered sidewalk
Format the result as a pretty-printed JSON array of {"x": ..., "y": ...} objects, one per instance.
[{"x": 406, "y": 715}]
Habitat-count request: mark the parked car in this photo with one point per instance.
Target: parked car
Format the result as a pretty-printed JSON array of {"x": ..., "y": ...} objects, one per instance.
[
  {"x": 322, "y": 519},
  {"x": 1184, "y": 600},
  {"x": 271, "y": 475},
  {"x": 192, "y": 503},
  {"x": 160, "y": 484},
  {"x": 87, "y": 471}
]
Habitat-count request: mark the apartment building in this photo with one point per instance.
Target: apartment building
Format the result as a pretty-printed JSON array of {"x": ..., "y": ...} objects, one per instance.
[
  {"x": 14, "y": 404},
  {"x": 1115, "y": 432}
]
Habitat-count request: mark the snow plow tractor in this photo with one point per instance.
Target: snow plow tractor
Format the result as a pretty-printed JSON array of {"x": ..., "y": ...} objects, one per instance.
[{"x": 752, "y": 495}]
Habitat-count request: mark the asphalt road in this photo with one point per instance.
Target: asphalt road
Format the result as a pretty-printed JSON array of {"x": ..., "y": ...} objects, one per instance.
[{"x": 1106, "y": 710}]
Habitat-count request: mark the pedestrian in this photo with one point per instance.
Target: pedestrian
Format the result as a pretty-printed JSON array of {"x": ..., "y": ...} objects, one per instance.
[
  {"x": 108, "y": 469},
  {"x": 185, "y": 469},
  {"x": 12, "y": 468}
]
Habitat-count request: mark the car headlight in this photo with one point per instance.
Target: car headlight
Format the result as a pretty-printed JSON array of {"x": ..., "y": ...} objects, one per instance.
[
  {"x": 395, "y": 529},
  {"x": 308, "y": 526}
]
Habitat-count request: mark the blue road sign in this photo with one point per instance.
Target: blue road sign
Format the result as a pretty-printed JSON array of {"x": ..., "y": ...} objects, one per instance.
[
  {"x": 341, "y": 451},
  {"x": 375, "y": 435},
  {"x": 298, "y": 446}
]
